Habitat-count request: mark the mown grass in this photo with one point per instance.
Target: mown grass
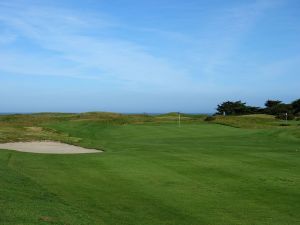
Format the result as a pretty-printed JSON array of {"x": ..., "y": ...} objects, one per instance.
[{"x": 154, "y": 172}]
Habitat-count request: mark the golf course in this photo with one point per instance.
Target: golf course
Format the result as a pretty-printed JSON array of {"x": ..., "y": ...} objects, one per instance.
[
  {"x": 151, "y": 170},
  {"x": 138, "y": 112}
]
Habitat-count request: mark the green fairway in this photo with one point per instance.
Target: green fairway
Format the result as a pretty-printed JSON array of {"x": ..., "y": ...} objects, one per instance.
[{"x": 155, "y": 173}]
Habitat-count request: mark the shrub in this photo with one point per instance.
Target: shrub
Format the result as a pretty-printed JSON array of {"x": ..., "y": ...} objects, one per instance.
[
  {"x": 284, "y": 124},
  {"x": 210, "y": 118},
  {"x": 282, "y": 116}
]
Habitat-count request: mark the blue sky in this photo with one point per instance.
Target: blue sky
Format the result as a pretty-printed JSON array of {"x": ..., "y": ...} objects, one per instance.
[{"x": 146, "y": 56}]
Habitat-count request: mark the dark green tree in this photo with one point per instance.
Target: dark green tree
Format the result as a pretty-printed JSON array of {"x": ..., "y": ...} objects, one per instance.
[
  {"x": 271, "y": 103},
  {"x": 296, "y": 106},
  {"x": 232, "y": 108},
  {"x": 280, "y": 109}
]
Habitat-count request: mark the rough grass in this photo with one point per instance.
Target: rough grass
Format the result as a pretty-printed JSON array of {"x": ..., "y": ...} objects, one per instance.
[
  {"x": 20, "y": 127},
  {"x": 252, "y": 121},
  {"x": 153, "y": 172}
]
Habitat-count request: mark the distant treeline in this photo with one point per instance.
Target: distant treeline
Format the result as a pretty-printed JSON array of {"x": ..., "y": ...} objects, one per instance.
[{"x": 272, "y": 107}]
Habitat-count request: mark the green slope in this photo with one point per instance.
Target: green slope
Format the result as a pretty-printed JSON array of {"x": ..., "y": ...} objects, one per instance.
[{"x": 157, "y": 174}]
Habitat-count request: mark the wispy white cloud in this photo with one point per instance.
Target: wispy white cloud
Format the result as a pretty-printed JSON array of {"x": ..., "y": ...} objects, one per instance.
[
  {"x": 225, "y": 34},
  {"x": 63, "y": 38},
  {"x": 195, "y": 52},
  {"x": 74, "y": 44}
]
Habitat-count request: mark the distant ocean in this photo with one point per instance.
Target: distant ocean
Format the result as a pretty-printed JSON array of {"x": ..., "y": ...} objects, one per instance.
[
  {"x": 11, "y": 113},
  {"x": 152, "y": 114}
]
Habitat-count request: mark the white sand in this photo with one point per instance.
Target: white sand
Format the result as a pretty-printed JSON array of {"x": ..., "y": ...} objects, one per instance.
[{"x": 47, "y": 147}]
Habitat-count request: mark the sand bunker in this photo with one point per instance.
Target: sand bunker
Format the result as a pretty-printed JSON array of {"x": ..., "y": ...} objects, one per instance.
[{"x": 47, "y": 147}]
